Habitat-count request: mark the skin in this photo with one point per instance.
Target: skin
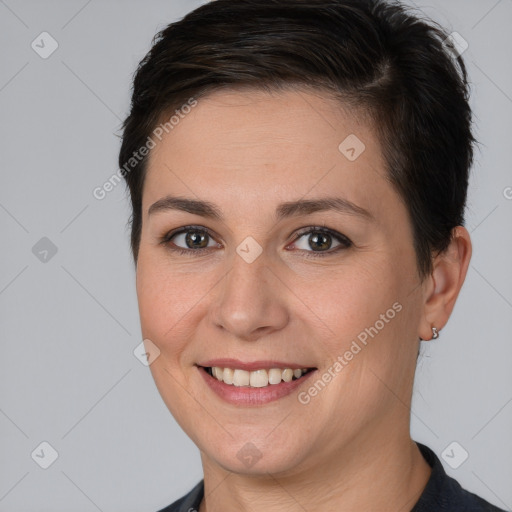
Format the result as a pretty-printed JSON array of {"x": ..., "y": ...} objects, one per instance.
[{"x": 349, "y": 448}]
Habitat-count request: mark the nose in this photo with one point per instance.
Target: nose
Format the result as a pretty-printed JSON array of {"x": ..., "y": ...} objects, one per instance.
[{"x": 251, "y": 300}]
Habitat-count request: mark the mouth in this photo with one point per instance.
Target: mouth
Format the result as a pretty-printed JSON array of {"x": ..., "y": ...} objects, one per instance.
[
  {"x": 260, "y": 378},
  {"x": 252, "y": 384}
]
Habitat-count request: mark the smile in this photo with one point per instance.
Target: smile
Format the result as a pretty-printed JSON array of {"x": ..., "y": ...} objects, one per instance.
[
  {"x": 255, "y": 385},
  {"x": 255, "y": 379}
]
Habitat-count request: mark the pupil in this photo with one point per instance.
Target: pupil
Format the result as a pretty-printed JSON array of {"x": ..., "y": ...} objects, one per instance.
[
  {"x": 193, "y": 237},
  {"x": 322, "y": 239}
]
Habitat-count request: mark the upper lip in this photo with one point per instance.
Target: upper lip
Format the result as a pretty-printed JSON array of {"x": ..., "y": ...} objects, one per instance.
[{"x": 250, "y": 366}]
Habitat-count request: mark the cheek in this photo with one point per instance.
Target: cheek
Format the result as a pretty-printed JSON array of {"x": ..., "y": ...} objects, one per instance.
[
  {"x": 172, "y": 304},
  {"x": 365, "y": 349},
  {"x": 164, "y": 299},
  {"x": 352, "y": 297},
  {"x": 369, "y": 321}
]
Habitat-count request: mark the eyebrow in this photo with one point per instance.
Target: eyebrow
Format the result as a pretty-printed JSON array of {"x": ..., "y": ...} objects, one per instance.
[{"x": 284, "y": 210}]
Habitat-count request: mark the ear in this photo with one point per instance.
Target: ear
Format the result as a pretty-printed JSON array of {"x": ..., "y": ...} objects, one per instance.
[{"x": 442, "y": 287}]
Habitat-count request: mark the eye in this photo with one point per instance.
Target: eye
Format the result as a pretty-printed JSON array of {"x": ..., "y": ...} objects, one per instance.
[
  {"x": 189, "y": 239},
  {"x": 319, "y": 241}
]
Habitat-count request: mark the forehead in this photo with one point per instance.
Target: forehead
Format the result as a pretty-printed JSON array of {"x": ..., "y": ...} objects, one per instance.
[
  {"x": 266, "y": 145},
  {"x": 244, "y": 118}
]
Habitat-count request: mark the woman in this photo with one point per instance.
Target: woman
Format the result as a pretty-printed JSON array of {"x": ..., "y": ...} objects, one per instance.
[{"x": 298, "y": 174}]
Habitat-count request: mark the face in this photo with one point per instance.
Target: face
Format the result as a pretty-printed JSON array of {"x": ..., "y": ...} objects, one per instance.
[{"x": 254, "y": 271}]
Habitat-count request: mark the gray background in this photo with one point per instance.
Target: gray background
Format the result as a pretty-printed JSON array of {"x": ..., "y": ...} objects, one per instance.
[{"x": 69, "y": 325}]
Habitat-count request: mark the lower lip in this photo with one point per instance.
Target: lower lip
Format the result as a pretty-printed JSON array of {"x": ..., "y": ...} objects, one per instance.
[{"x": 245, "y": 395}]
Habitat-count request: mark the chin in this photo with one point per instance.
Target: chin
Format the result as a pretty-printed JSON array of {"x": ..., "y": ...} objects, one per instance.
[{"x": 258, "y": 457}]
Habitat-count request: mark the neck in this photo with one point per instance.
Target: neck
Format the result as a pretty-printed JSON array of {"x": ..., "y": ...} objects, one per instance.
[{"x": 363, "y": 476}]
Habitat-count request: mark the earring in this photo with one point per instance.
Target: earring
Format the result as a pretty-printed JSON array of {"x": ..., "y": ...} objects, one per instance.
[{"x": 435, "y": 333}]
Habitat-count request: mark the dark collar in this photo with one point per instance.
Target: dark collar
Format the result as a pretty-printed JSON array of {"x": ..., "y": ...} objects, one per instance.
[{"x": 444, "y": 494}]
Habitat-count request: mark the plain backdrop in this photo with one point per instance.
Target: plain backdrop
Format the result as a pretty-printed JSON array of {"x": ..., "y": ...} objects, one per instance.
[{"x": 68, "y": 312}]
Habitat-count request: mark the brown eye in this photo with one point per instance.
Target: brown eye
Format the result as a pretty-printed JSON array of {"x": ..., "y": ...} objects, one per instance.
[
  {"x": 320, "y": 241},
  {"x": 189, "y": 239},
  {"x": 196, "y": 239}
]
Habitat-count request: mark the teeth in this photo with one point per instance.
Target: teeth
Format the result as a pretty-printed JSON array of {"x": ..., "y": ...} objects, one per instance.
[
  {"x": 288, "y": 375},
  {"x": 240, "y": 377},
  {"x": 257, "y": 378},
  {"x": 274, "y": 375},
  {"x": 226, "y": 375}
]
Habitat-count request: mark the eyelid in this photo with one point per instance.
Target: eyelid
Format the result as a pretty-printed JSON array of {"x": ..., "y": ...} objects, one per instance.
[
  {"x": 184, "y": 229},
  {"x": 323, "y": 229}
]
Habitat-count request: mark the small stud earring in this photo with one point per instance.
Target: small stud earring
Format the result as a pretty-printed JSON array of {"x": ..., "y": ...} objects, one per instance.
[{"x": 435, "y": 333}]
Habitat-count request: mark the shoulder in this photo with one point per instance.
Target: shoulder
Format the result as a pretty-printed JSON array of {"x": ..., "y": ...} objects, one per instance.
[
  {"x": 188, "y": 503},
  {"x": 444, "y": 494}
]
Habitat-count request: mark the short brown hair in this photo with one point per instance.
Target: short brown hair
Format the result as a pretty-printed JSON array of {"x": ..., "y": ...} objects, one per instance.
[{"x": 369, "y": 53}]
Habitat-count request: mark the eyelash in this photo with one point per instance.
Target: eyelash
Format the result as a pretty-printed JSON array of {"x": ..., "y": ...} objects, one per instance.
[{"x": 344, "y": 241}]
